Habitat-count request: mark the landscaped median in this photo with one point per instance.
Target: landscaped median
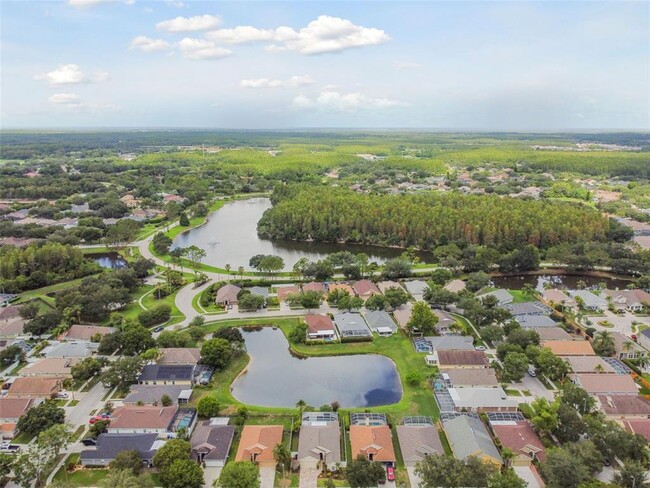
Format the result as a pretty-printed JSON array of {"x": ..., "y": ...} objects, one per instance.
[{"x": 416, "y": 399}]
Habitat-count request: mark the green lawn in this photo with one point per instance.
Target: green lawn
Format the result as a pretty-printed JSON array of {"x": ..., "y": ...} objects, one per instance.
[
  {"x": 521, "y": 297},
  {"x": 416, "y": 400}
]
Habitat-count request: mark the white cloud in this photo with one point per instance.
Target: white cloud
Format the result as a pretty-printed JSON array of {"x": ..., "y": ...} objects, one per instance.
[
  {"x": 202, "y": 49},
  {"x": 148, "y": 45},
  {"x": 71, "y": 74},
  {"x": 67, "y": 99},
  {"x": 261, "y": 83},
  {"x": 189, "y": 24},
  {"x": 407, "y": 65},
  {"x": 323, "y": 35},
  {"x": 176, "y": 3},
  {"x": 345, "y": 102},
  {"x": 301, "y": 80}
]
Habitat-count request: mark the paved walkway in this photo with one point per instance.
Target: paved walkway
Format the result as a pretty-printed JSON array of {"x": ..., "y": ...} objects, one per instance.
[
  {"x": 267, "y": 477},
  {"x": 308, "y": 477}
]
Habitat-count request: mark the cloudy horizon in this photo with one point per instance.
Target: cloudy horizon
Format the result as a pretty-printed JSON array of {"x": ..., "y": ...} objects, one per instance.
[{"x": 484, "y": 66}]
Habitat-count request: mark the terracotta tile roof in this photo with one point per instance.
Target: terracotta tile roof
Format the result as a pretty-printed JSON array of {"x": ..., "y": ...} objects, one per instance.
[
  {"x": 375, "y": 440},
  {"x": 318, "y": 322},
  {"x": 227, "y": 293},
  {"x": 387, "y": 285},
  {"x": 284, "y": 291},
  {"x": 519, "y": 437},
  {"x": 61, "y": 367},
  {"x": 258, "y": 440},
  {"x": 570, "y": 348},
  {"x": 144, "y": 417},
  {"x": 640, "y": 427},
  {"x": 314, "y": 286},
  {"x": 341, "y": 286}
]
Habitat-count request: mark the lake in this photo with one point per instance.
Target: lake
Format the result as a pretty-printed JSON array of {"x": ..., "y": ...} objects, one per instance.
[
  {"x": 275, "y": 378},
  {"x": 108, "y": 260},
  {"x": 516, "y": 282},
  {"x": 230, "y": 237}
]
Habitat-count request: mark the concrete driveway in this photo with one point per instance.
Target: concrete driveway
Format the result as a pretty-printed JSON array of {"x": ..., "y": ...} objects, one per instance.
[
  {"x": 210, "y": 475},
  {"x": 267, "y": 477},
  {"x": 308, "y": 477},
  {"x": 414, "y": 479},
  {"x": 534, "y": 386}
]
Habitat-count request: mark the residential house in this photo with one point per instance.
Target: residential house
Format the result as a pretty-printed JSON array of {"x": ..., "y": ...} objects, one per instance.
[
  {"x": 87, "y": 332},
  {"x": 450, "y": 343},
  {"x": 446, "y": 321},
  {"x": 179, "y": 356},
  {"x": 644, "y": 338},
  {"x": 167, "y": 374},
  {"x": 284, "y": 291},
  {"x": 558, "y": 297},
  {"x": 624, "y": 406},
  {"x": 365, "y": 289},
  {"x": 418, "y": 438},
  {"x": 520, "y": 437},
  {"x": 455, "y": 286},
  {"x": 589, "y": 300},
  {"x": 471, "y": 378},
  {"x": 570, "y": 348},
  {"x": 527, "y": 308},
  {"x": 11, "y": 409},
  {"x": 458, "y": 359},
  {"x": 416, "y": 288},
  {"x": 606, "y": 384},
  {"x": 11, "y": 323},
  {"x": 150, "y": 394},
  {"x": 314, "y": 286},
  {"x": 351, "y": 325},
  {"x": 82, "y": 349},
  {"x": 211, "y": 442},
  {"x": 50, "y": 368},
  {"x": 109, "y": 445},
  {"x": 374, "y": 442},
  {"x": 262, "y": 291},
  {"x": 257, "y": 442},
  {"x": 134, "y": 419},
  {"x": 503, "y": 296},
  {"x": 27, "y": 387},
  {"x": 640, "y": 427},
  {"x": 626, "y": 348},
  {"x": 588, "y": 364},
  {"x": 380, "y": 322},
  {"x": 535, "y": 321},
  {"x": 130, "y": 201},
  {"x": 344, "y": 287},
  {"x": 320, "y": 326},
  {"x": 319, "y": 443},
  {"x": 630, "y": 300},
  {"x": 403, "y": 315},
  {"x": 387, "y": 285},
  {"x": 478, "y": 400},
  {"x": 168, "y": 197},
  {"x": 554, "y": 334},
  {"x": 468, "y": 436},
  {"x": 227, "y": 295}
]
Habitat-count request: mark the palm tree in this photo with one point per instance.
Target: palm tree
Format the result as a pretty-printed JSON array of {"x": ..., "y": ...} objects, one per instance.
[
  {"x": 227, "y": 267},
  {"x": 507, "y": 454},
  {"x": 240, "y": 270},
  {"x": 599, "y": 368},
  {"x": 282, "y": 456},
  {"x": 604, "y": 343},
  {"x": 301, "y": 404}
]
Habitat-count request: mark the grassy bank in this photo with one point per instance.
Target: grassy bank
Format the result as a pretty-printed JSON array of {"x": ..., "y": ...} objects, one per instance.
[{"x": 416, "y": 399}]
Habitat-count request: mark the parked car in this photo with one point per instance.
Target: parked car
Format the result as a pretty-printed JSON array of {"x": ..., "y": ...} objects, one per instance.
[
  {"x": 634, "y": 338},
  {"x": 62, "y": 395},
  {"x": 160, "y": 328},
  {"x": 532, "y": 372},
  {"x": 89, "y": 442},
  {"x": 390, "y": 474},
  {"x": 6, "y": 447},
  {"x": 481, "y": 348}
]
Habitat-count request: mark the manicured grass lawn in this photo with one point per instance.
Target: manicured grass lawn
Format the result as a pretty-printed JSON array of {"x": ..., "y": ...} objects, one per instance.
[
  {"x": 212, "y": 308},
  {"x": 521, "y": 297},
  {"x": 22, "y": 438},
  {"x": 416, "y": 400},
  {"x": 42, "y": 292}
]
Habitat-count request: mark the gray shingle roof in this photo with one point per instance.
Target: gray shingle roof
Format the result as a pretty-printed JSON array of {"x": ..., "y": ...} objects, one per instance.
[
  {"x": 320, "y": 438},
  {"x": 110, "y": 445},
  {"x": 379, "y": 318},
  {"x": 211, "y": 441},
  {"x": 418, "y": 441},
  {"x": 535, "y": 321},
  {"x": 351, "y": 324},
  {"x": 468, "y": 436},
  {"x": 153, "y": 393}
]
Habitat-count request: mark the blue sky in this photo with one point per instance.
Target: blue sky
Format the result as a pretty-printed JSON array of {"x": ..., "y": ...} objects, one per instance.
[{"x": 453, "y": 65}]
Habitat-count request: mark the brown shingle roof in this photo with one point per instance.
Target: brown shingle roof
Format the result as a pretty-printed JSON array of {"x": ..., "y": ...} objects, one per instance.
[
  {"x": 472, "y": 377},
  {"x": 365, "y": 287},
  {"x": 520, "y": 437},
  {"x": 180, "y": 355},
  {"x": 14, "y": 408},
  {"x": 314, "y": 286},
  {"x": 624, "y": 405},
  {"x": 640, "y": 427},
  {"x": 34, "y": 387},
  {"x": 145, "y": 417},
  {"x": 375, "y": 440},
  {"x": 607, "y": 383},
  {"x": 86, "y": 332},
  {"x": 462, "y": 358},
  {"x": 61, "y": 367},
  {"x": 284, "y": 291}
]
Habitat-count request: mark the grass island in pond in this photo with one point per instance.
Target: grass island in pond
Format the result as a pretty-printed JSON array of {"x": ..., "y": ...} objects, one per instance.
[{"x": 275, "y": 378}]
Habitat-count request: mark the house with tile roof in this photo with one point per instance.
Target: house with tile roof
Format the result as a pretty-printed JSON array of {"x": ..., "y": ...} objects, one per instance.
[
  {"x": 520, "y": 437},
  {"x": 319, "y": 442},
  {"x": 468, "y": 436},
  {"x": 374, "y": 442},
  {"x": 257, "y": 442}
]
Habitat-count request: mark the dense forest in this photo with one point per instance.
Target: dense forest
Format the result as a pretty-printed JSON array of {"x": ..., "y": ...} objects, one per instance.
[{"x": 428, "y": 219}]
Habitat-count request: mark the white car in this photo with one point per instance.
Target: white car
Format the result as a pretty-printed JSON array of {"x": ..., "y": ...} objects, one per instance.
[{"x": 481, "y": 348}]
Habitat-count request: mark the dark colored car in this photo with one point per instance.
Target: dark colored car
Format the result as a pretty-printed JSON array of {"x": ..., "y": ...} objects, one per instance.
[
  {"x": 159, "y": 329},
  {"x": 89, "y": 442}
]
